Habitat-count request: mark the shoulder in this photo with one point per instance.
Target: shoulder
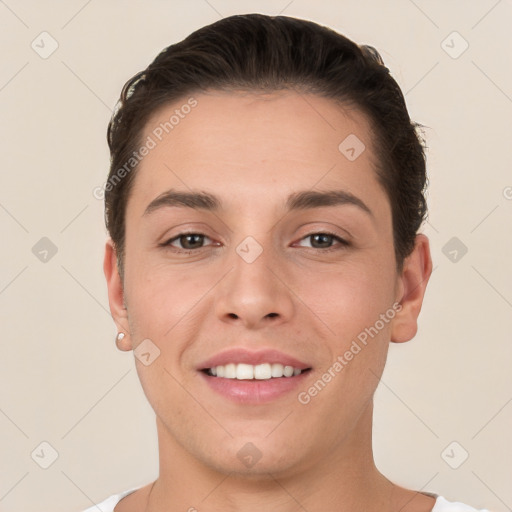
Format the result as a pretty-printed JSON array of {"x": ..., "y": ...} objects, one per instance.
[
  {"x": 109, "y": 504},
  {"x": 443, "y": 505}
]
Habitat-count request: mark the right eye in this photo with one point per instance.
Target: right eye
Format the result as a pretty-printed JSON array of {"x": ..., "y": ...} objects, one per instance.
[{"x": 188, "y": 242}]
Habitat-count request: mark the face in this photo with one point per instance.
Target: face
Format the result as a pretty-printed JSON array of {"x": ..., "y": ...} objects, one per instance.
[{"x": 288, "y": 260}]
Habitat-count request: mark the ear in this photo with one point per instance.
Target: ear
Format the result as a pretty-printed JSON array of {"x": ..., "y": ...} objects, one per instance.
[
  {"x": 413, "y": 281},
  {"x": 116, "y": 295}
]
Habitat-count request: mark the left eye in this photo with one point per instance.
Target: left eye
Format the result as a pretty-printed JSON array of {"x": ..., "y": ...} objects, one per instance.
[{"x": 324, "y": 240}]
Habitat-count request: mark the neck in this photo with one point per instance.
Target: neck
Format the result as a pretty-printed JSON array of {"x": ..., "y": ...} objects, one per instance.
[{"x": 344, "y": 479}]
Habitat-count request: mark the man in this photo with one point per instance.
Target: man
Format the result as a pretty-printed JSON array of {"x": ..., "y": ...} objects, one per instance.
[{"x": 263, "y": 203}]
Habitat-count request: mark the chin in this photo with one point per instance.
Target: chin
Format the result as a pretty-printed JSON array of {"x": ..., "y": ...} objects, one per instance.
[{"x": 255, "y": 458}]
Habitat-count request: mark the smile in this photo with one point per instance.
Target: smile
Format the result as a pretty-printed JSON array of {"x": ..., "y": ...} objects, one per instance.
[{"x": 264, "y": 371}]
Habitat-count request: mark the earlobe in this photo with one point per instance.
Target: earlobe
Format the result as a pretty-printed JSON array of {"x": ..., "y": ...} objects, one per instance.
[
  {"x": 116, "y": 296},
  {"x": 416, "y": 272}
]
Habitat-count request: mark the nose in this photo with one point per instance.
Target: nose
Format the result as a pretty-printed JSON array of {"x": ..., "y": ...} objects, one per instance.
[{"x": 255, "y": 293}]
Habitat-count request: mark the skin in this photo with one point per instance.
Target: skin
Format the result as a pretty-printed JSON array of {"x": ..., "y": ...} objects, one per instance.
[{"x": 252, "y": 151}]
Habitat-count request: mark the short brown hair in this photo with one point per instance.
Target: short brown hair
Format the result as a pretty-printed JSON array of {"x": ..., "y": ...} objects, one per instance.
[{"x": 256, "y": 52}]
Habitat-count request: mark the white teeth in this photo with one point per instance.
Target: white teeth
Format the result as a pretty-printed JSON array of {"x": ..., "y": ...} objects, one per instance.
[
  {"x": 277, "y": 370},
  {"x": 288, "y": 371},
  {"x": 244, "y": 371},
  {"x": 263, "y": 371},
  {"x": 230, "y": 371}
]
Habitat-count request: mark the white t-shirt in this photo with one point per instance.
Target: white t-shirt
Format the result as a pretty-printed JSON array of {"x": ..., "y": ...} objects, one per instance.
[{"x": 441, "y": 504}]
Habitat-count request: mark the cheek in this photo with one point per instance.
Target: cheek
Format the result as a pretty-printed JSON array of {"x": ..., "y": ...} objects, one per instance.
[
  {"x": 161, "y": 296},
  {"x": 349, "y": 300}
]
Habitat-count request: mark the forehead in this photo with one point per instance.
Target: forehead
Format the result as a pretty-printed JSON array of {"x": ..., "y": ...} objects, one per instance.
[{"x": 256, "y": 144}]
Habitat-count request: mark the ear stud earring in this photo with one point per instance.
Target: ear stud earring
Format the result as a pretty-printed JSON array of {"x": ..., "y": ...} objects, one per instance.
[{"x": 120, "y": 336}]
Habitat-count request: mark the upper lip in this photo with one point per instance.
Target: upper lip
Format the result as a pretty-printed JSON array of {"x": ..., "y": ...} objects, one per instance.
[{"x": 253, "y": 357}]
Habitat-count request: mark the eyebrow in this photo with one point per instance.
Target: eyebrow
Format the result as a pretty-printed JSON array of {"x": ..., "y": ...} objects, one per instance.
[{"x": 302, "y": 200}]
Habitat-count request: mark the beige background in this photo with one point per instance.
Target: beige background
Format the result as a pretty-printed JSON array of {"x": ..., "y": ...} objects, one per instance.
[{"x": 62, "y": 380}]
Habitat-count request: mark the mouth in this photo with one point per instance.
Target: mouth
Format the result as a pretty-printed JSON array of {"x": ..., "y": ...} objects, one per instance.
[
  {"x": 259, "y": 372},
  {"x": 250, "y": 377}
]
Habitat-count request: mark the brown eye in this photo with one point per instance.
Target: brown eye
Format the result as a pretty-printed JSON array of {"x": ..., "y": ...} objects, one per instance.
[
  {"x": 325, "y": 241},
  {"x": 187, "y": 241}
]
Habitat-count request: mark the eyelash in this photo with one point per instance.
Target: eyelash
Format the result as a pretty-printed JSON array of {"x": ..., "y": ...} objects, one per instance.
[{"x": 343, "y": 243}]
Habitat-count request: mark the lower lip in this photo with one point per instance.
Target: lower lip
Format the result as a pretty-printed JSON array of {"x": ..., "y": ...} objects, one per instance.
[{"x": 254, "y": 391}]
